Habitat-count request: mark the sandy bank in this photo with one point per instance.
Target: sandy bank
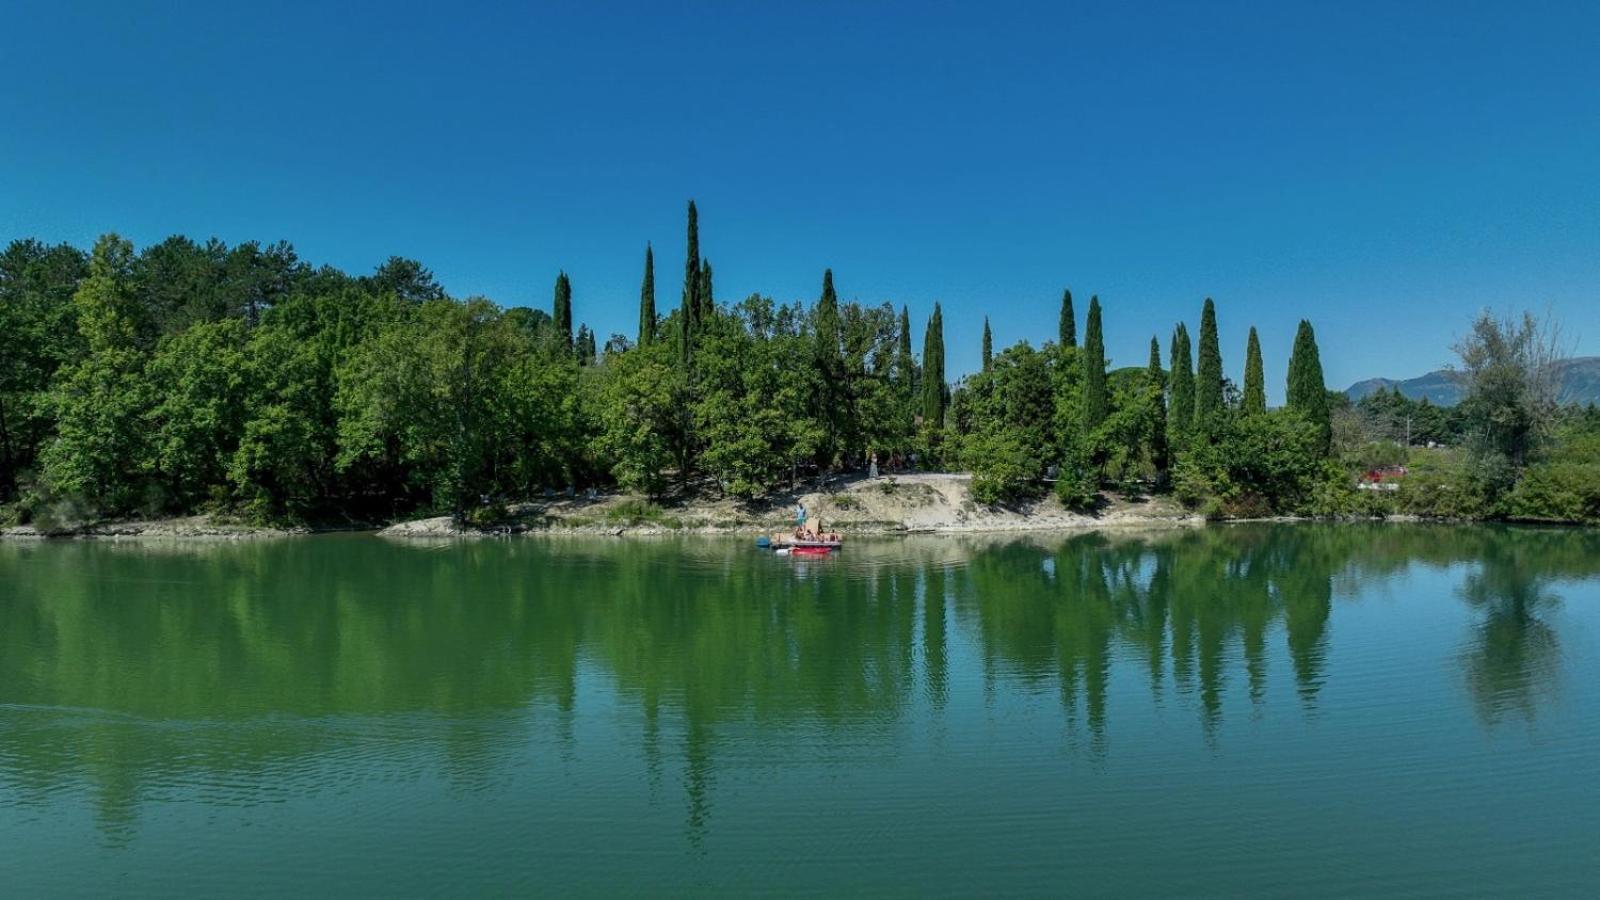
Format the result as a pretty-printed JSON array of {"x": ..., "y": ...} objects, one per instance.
[{"x": 902, "y": 504}]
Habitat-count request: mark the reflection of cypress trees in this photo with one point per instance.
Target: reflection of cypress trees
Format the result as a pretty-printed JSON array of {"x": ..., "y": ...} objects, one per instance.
[
  {"x": 935, "y": 661},
  {"x": 231, "y": 641}
]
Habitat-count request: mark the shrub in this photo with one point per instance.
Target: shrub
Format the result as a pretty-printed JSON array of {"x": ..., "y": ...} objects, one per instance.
[
  {"x": 1558, "y": 491},
  {"x": 637, "y": 511}
]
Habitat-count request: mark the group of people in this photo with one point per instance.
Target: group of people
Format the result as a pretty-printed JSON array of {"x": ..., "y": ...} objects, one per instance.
[{"x": 804, "y": 532}]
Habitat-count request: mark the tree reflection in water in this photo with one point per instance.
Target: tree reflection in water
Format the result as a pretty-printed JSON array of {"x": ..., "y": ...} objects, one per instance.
[{"x": 133, "y": 669}]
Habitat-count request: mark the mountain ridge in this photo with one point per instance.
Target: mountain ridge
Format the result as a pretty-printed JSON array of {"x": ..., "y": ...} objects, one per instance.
[{"x": 1579, "y": 380}]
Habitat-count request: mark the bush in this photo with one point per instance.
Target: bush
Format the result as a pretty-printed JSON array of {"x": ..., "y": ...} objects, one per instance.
[
  {"x": 1003, "y": 470},
  {"x": 1253, "y": 466},
  {"x": 1448, "y": 484},
  {"x": 1558, "y": 491},
  {"x": 636, "y": 511}
]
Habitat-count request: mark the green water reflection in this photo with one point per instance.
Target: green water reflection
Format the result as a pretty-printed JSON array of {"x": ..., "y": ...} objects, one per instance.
[{"x": 137, "y": 676}]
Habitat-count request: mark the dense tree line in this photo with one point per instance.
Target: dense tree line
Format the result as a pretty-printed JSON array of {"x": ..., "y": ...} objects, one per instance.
[{"x": 197, "y": 376}]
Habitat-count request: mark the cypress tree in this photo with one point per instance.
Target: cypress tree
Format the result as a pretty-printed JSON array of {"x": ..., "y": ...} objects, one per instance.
[
  {"x": 1255, "y": 385},
  {"x": 585, "y": 346},
  {"x": 1069, "y": 323},
  {"x": 690, "y": 305},
  {"x": 905, "y": 367},
  {"x": 1154, "y": 382},
  {"x": 988, "y": 346},
  {"x": 1180, "y": 381},
  {"x": 933, "y": 386},
  {"x": 1208, "y": 373},
  {"x": 1096, "y": 401},
  {"x": 561, "y": 314},
  {"x": 708, "y": 304},
  {"x": 828, "y": 326},
  {"x": 1307, "y": 394},
  {"x": 647, "y": 300}
]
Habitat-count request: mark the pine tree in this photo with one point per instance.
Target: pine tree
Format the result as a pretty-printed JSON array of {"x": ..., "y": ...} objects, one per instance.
[
  {"x": 1208, "y": 374},
  {"x": 1155, "y": 383},
  {"x": 561, "y": 314},
  {"x": 1255, "y": 386},
  {"x": 988, "y": 346},
  {"x": 647, "y": 300},
  {"x": 1307, "y": 393},
  {"x": 933, "y": 385},
  {"x": 1180, "y": 390},
  {"x": 1069, "y": 323},
  {"x": 1096, "y": 399}
]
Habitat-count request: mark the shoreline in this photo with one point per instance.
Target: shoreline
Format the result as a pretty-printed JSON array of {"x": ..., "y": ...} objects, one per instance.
[{"x": 887, "y": 506}]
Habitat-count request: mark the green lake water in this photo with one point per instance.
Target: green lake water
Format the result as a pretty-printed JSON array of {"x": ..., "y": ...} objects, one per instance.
[{"x": 1273, "y": 710}]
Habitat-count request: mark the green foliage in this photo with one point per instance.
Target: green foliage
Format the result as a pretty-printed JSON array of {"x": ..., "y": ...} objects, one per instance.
[
  {"x": 754, "y": 408},
  {"x": 1180, "y": 380},
  {"x": 1068, "y": 328},
  {"x": 1208, "y": 406},
  {"x": 634, "y": 512},
  {"x": 1254, "y": 466},
  {"x": 38, "y": 334},
  {"x": 640, "y": 397},
  {"x": 198, "y": 380},
  {"x": 1096, "y": 399},
  {"x": 647, "y": 300},
  {"x": 1510, "y": 404},
  {"x": 689, "y": 307},
  {"x": 561, "y": 313},
  {"x": 1307, "y": 394},
  {"x": 1255, "y": 384},
  {"x": 988, "y": 345},
  {"x": 1001, "y": 423},
  {"x": 1450, "y": 484},
  {"x": 934, "y": 388},
  {"x": 240, "y": 380},
  {"x": 1558, "y": 491}
]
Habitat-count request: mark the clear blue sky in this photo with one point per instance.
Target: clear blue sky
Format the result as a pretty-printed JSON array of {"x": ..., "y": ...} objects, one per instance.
[{"x": 1384, "y": 169}]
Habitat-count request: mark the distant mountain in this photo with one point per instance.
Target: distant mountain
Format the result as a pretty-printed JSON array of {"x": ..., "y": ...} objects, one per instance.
[{"x": 1580, "y": 383}]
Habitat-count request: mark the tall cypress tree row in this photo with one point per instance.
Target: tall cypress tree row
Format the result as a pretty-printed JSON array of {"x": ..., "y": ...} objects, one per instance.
[
  {"x": 647, "y": 300},
  {"x": 1096, "y": 399},
  {"x": 933, "y": 386},
  {"x": 988, "y": 346},
  {"x": 1307, "y": 394},
  {"x": 1180, "y": 390},
  {"x": 1155, "y": 382},
  {"x": 561, "y": 314},
  {"x": 1208, "y": 374},
  {"x": 1069, "y": 322},
  {"x": 1255, "y": 385}
]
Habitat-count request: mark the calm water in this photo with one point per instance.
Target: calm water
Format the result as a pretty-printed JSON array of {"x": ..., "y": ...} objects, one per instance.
[{"x": 1266, "y": 710}]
